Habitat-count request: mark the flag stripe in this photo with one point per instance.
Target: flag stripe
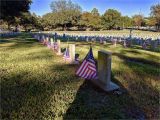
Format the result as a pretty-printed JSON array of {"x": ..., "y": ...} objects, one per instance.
[
  {"x": 84, "y": 75},
  {"x": 88, "y": 69},
  {"x": 81, "y": 67}
]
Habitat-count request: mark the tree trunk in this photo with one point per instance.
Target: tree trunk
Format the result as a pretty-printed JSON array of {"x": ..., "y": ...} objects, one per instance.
[
  {"x": 65, "y": 27},
  {"x": 25, "y": 27},
  {"x": 9, "y": 26},
  {"x": 158, "y": 27}
]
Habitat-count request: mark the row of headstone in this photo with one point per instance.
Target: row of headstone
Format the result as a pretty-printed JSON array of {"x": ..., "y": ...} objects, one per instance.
[
  {"x": 125, "y": 41},
  {"x": 55, "y": 45},
  {"x": 8, "y": 34},
  {"x": 83, "y": 37},
  {"x": 120, "y": 34},
  {"x": 104, "y": 63}
]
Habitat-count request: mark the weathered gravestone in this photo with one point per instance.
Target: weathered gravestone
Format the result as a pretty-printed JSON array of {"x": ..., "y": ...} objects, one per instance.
[
  {"x": 104, "y": 42},
  {"x": 59, "y": 47},
  {"x": 114, "y": 42},
  {"x": 93, "y": 39},
  {"x": 38, "y": 37},
  {"x": 130, "y": 33},
  {"x": 104, "y": 72},
  {"x": 72, "y": 54},
  {"x": 87, "y": 39},
  {"x": 154, "y": 44},
  {"x": 144, "y": 46},
  {"x": 47, "y": 40},
  {"x": 120, "y": 40},
  {"x": 101, "y": 40},
  {"x": 76, "y": 38},
  {"x": 52, "y": 42},
  {"x": 43, "y": 37},
  {"x": 124, "y": 44}
]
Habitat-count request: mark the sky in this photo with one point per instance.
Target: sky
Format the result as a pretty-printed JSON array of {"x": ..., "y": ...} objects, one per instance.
[{"x": 126, "y": 7}]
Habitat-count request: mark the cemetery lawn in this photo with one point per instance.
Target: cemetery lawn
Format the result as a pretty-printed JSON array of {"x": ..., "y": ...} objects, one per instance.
[{"x": 37, "y": 84}]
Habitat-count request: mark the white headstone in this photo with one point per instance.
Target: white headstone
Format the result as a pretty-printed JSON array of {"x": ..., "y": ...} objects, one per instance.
[
  {"x": 72, "y": 53},
  {"x": 52, "y": 42},
  {"x": 104, "y": 72},
  {"x": 154, "y": 44},
  {"x": 59, "y": 47}
]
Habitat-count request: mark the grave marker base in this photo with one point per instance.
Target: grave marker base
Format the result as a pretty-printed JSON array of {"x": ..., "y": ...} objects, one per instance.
[
  {"x": 59, "y": 54},
  {"x": 74, "y": 62},
  {"x": 107, "y": 88}
]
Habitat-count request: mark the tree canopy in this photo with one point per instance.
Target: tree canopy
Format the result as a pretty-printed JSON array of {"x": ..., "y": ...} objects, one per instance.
[
  {"x": 91, "y": 19},
  {"x": 67, "y": 12},
  {"x": 111, "y": 18},
  {"x": 95, "y": 12},
  {"x": 67, "y": 15},
  {"x": 13, "y": 8},
  {"x": 138, "y": 20},
  {"x": 155, "y": 15}
]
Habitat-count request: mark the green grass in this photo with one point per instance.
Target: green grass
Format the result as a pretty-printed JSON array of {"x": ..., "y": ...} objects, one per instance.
[{"x": 37, "y": 84}]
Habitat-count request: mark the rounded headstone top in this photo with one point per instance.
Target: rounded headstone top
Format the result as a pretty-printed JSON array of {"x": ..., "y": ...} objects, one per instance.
[{"x": 106, "y": 52}]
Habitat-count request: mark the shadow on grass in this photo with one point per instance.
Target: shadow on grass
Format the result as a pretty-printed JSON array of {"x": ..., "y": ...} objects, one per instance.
[
  {"x": 93, "y": 103},
  {"x": 137, "y": 60},
  {"x": 157, "y": 50},
  {"x": 25, "y": 95},
  {"x": 25, "y": 99},
  {"x": 26, "y": 38},
  {"x": 143, "y": 89},
  {"x": 141, "y": 83},
  {"x": 22, "y": 43},
  {"x": 132, "y": 51}
]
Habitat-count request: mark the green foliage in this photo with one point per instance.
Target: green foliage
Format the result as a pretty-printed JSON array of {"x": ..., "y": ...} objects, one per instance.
[
  {"x": 37, "y": 21},
  {"x": 95, "y": 12},
  {"x": 138, "y": 20},
  {"x": 151, "y": 21},
  {"x": 50, "y": 20},
  {"x": 68, "y": 13},
  {"x": 27, "y": 20},
  {"x": 91, "y": 20},
  {"x": 111, "y": 19},
  {"x": 3, "y": 25},
  {"x": 126, "y": 22},
  {"x": 13, "y": 8},
  {"x": 155, "y": 13}
]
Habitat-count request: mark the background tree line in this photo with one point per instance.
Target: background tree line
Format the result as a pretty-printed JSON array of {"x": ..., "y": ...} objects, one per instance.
[{"x": 67, "y": 15}]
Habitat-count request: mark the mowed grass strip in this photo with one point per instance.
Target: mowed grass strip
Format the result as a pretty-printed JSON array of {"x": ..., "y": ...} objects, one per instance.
[{"x": 37, "y": 84}]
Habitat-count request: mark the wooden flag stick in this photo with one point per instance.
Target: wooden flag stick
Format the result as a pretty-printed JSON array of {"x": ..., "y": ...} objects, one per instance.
[{"x": 90, "y": 43}]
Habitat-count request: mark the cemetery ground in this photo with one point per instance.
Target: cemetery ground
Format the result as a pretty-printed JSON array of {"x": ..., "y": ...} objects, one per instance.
[{"x": 38, "y": 84}]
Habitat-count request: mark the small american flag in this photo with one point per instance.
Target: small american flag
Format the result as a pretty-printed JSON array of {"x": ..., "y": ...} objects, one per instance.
[
  {"x": 66, "y": 55},
  {"x": 44, "y": 42},
  {"x": 49, "y": 44},
  {"x": 55, "y": 46},
  {"x": 101, "y": 40},
  {"x": 88, "y": 69},
  {"x": 144, "y": 46}
]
